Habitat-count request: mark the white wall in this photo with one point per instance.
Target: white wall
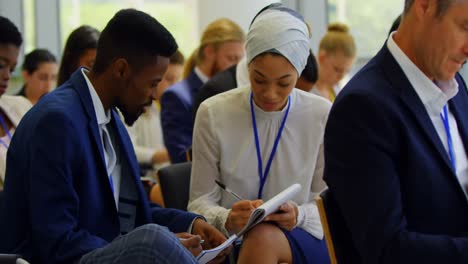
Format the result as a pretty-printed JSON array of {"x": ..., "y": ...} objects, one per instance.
[
  {"x": 243, "y": 11},
  {"x": 13, "y": 11},
  {"x": 47, "y": 25},
  {"x": 240, "y": 11},
  {"x": 315, "y": 12}
]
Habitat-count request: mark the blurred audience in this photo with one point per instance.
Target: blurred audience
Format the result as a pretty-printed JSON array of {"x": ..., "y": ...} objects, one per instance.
[{"x": 221, "y": 46}]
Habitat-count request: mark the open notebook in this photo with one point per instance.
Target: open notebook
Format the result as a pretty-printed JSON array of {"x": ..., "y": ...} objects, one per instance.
[{"x": 256, "y": 217}]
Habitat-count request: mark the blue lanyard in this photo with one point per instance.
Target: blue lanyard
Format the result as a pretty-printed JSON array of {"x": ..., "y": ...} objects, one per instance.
[
  {"x": 6, "y": 131},
  {"x": 445, "y": 120},
  {"x": 263, "y": 176}
]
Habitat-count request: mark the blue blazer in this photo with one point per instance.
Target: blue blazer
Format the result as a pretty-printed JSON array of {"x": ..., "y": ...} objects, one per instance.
[
  {"x": 390, "y": 174},
  {"x": 58, "y": 200},
  {"x": 176, "y": 116}
]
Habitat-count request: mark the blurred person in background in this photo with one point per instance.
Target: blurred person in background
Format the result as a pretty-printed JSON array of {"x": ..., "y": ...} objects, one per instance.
[
  {"x": 336, "y": 56},
  {"x": 39, "y": 73},
  {"x": 221, "y": 46},
  {"x": 80, "y": 51}
]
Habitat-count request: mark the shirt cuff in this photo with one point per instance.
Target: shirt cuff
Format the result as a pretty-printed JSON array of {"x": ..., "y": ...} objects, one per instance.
[
  {"x": 193, "y": 221},
  {"x": 300, "y": 215}
]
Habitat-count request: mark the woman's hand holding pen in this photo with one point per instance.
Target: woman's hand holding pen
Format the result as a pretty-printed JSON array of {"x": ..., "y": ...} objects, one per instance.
[
  {"x": 286, "y": 216},
  {"x": 240, "y": 214}
]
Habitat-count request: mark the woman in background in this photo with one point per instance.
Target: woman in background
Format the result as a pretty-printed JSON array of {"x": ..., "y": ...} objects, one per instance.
[
  {"x": 80, "y": 51},
  {"x": 267, "y": 116},
  {"x": 337, "y": 52},
  {"x": 39, "y": 74}
]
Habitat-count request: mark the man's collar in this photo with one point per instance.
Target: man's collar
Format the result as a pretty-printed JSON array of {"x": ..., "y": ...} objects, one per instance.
[{"x": 103, "y": 117}]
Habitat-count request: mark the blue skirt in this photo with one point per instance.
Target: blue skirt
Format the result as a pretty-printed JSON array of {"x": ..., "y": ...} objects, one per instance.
[{"x": 306, "y": 248}]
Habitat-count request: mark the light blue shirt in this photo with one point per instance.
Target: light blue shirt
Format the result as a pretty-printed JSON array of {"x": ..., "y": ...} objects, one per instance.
[{"x": 103, "y": 118}]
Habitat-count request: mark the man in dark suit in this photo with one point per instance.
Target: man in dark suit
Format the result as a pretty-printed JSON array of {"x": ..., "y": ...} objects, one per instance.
[
  {"x": 222, "y": 45},
  {"x": 72, "y": 189},
  {"x": 396, "y": 142}
]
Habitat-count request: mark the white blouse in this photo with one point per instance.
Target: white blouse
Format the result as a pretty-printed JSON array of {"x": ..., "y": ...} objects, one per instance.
[
  {"x": 146, "y": 134},
  {"x": 224, "y": 149}
]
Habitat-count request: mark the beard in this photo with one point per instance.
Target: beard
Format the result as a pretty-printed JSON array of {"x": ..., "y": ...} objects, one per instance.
[{"x": 129, "y": 118}]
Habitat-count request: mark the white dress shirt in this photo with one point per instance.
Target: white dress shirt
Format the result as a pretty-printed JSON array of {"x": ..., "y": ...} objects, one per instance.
[
  {"x": 435, "y": 96},
  {"x": 113, "y": 165},
  {"x": 224, "y": 149}
]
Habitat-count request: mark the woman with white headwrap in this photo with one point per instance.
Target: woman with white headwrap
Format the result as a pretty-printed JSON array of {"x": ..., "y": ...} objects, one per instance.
[{"x": 260, "y": 139}]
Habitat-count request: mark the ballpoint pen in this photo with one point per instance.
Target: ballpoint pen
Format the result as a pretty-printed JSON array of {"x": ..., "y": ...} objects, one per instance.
[
  {"x": 228, "y": 190},
  {"x": 183, "y": 239}
]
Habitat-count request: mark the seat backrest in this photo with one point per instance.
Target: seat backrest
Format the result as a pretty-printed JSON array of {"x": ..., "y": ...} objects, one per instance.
[
  {"x": 175, "y": 184},
  {"x": 337, "y": 235},
  {"x": 11, "y": 259}
]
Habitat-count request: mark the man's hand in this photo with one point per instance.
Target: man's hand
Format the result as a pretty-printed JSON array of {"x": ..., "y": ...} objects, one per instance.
[
  {"x": 240, "y": 214},
  {"x": 286, "y": 216},
  {"x": 213, "y": 238},
  {"x": 190, "y": 242}
]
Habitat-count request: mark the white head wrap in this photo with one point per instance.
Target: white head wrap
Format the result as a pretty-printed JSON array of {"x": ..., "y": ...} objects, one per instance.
[{"x": 280, "y": 30}]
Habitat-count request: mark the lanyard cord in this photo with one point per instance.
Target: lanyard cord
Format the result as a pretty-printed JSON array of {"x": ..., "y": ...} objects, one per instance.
[
  {"x": 445, "y": 120},
  {"x": 263, "y": 176}
]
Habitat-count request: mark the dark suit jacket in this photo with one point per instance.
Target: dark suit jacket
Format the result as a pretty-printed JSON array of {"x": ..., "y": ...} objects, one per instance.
[
  {"x": 58, "y": 201},
  {"x": 221, "y": 82},
  {"x": 176, "y": 116},
  {"x": 390, "y": 174}
]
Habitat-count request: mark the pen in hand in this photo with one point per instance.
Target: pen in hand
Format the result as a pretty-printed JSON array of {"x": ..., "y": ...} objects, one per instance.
[
  {"x": 228, "y": 190},
  {"x": 183, "y": 239}
]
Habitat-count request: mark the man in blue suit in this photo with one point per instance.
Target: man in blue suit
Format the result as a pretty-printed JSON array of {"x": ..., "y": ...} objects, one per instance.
[
  {"x": 72, "y": 191},
  {"x": 396, "y": 142},
  {"x": 222, "y": 45}
]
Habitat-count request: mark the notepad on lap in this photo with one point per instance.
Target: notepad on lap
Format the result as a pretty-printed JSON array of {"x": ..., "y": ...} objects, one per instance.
[{"x": 256, "y": 217}]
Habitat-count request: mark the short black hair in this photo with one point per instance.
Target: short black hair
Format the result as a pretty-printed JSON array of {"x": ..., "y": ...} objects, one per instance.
[
  {"x": 310, "y": 72},
  {"x": 134, "y": 36},
  {"x": 177, "y": 58},
  {"x": 395, "y": 24},
  {"x": 33, "y": 59},
  {"x": 9, "y": 33}
]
